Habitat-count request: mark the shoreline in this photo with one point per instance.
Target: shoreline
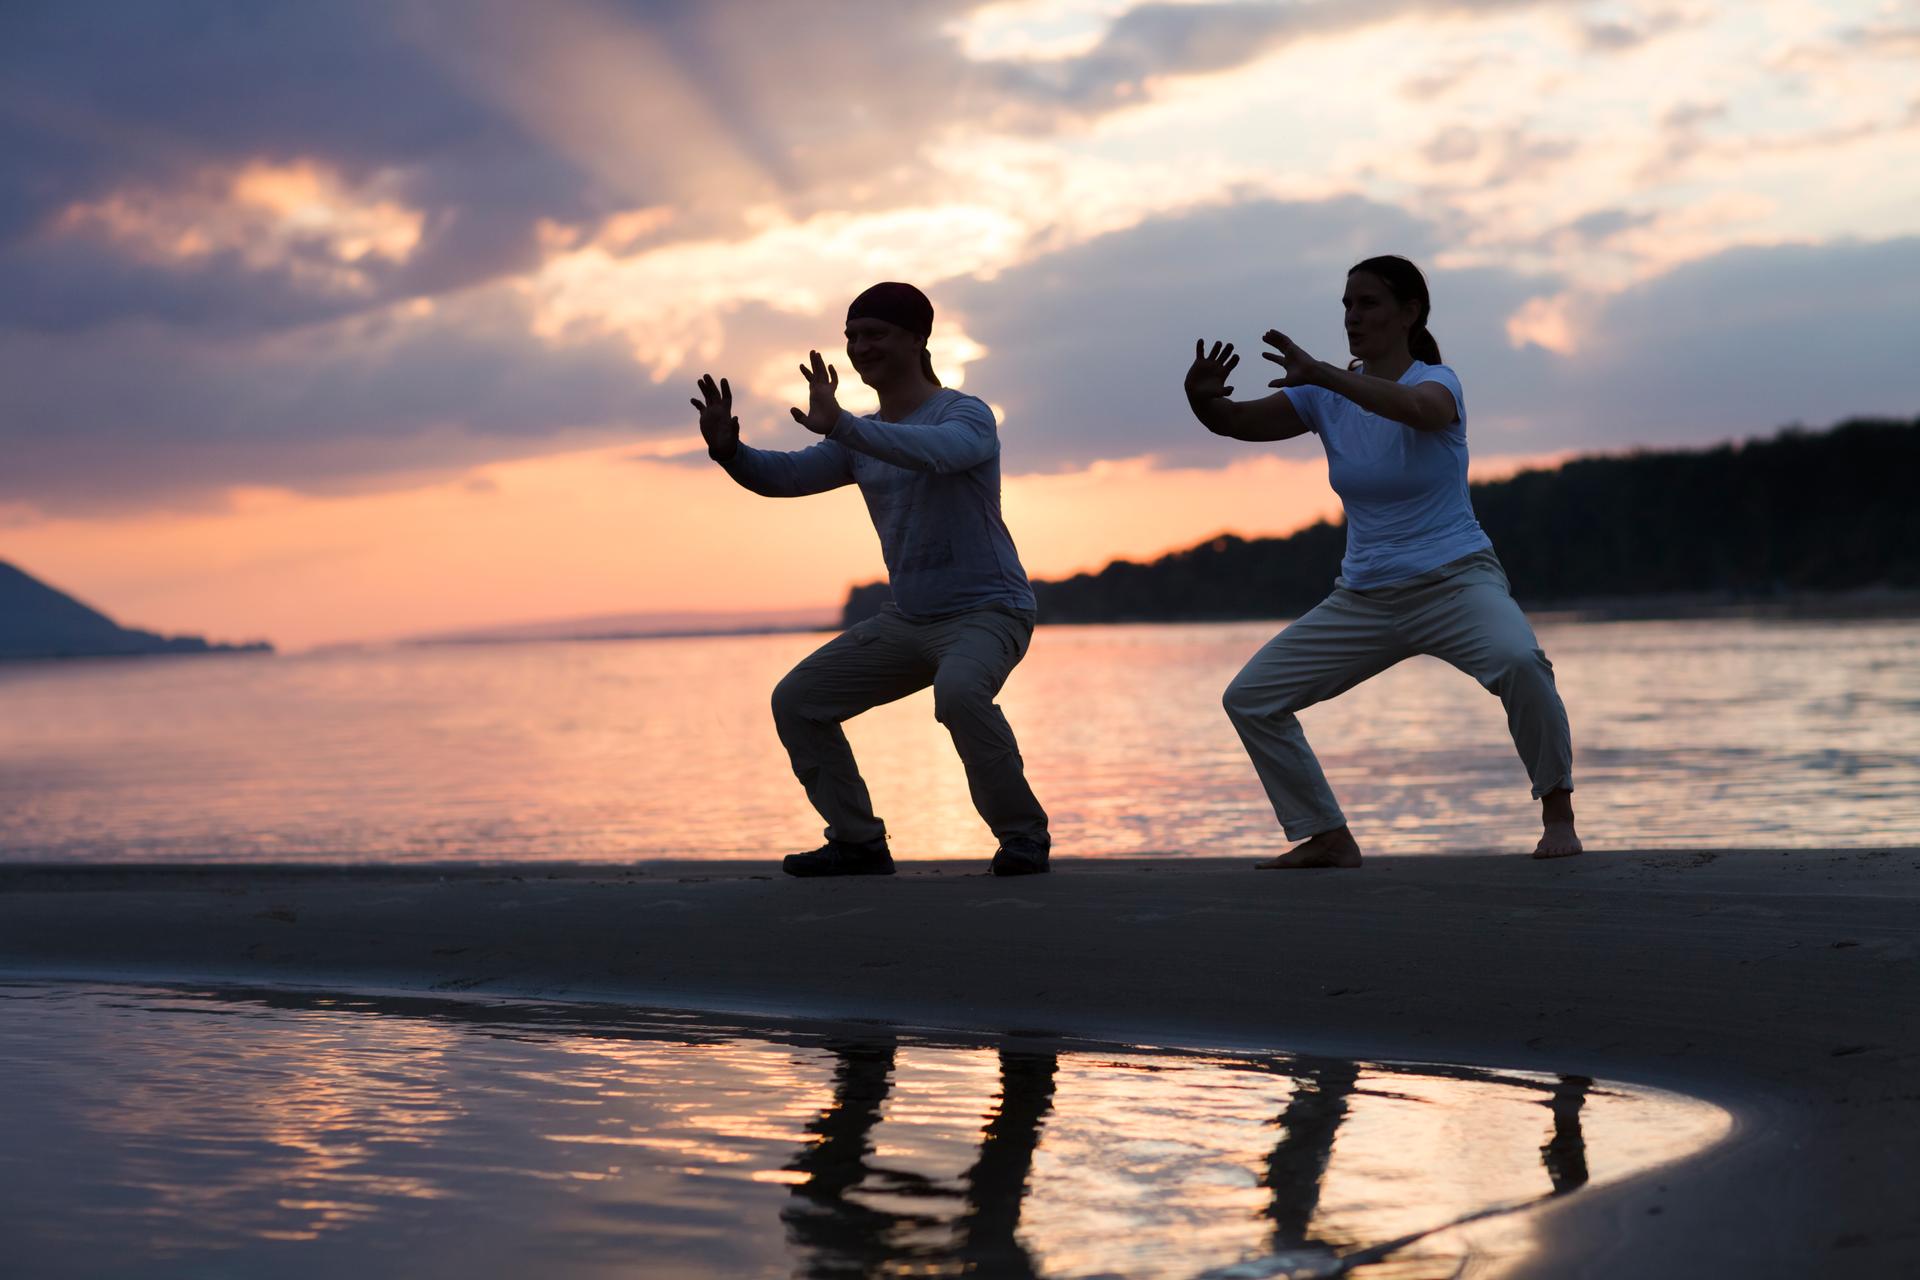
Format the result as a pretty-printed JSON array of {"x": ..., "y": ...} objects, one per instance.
[
  {"x": 1780, "y": 985},
  {"x": 1866, "y": 605}
]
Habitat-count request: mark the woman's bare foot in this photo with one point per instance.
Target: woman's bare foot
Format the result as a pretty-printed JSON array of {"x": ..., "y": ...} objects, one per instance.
[
  {"x": 1336, "y": 848},
  {"x": 1558, "y": 839}
]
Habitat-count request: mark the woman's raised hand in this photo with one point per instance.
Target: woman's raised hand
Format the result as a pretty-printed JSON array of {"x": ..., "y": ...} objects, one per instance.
[
  {"x": 823, "y": 406},
  {"x": 1207, "y": 375},
  {"x": 718, "y": 427},
  {"x": 1295, "y": 364}
]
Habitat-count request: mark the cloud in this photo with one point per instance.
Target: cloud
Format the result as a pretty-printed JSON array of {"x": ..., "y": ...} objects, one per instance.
[
  {"x": 1450, "y": 74},
  {"x": 1454, "y": 144},
  {"x": 1887, "y": 39},
  {"x": 1618, "y": 35},
  {"x": 1687, "y": 139},
  {"x": 1746, "y": 340},
  {"x": 128, "y": 120},
  {"x": 518, "y": 118},
  {"x": 130, "y": 134},
  {"x": 141, "y": 416},
  {"x": 1151, "y": 41},
  {"x": 1600, "y": 226},
  {"x": 351, "y": 245},
  {"x": 1086, "y": 348}
]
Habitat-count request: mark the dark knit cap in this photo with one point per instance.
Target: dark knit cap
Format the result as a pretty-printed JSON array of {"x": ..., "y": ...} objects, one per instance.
[{"x": 896, "y": 303}]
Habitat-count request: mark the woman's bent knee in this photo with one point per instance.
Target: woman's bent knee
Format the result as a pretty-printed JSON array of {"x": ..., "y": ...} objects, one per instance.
[
  {"x": 1234, "y": 701},
  {"x": 1519, "y": 669},
  {"x": 1246, "y": 700}
]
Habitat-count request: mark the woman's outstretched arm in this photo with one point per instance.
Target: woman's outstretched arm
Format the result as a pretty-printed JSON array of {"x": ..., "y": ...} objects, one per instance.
[
  {"x": 1425, "y": 406},
  {"x": 1273, "y": 418}
]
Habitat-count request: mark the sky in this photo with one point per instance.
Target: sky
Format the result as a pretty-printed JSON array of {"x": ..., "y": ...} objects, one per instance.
[{"x": 331, "y": 323}]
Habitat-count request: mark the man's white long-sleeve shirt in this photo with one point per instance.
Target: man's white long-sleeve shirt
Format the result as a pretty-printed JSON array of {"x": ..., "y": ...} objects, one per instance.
[{"x": 932, "y": 486}]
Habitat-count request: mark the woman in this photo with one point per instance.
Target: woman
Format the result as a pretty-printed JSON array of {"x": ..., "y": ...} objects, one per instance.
[{"x": 1419, "y": 575}]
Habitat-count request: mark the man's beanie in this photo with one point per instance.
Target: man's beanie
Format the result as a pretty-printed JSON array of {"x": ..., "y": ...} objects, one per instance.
[{"x": 896, "y": 303}]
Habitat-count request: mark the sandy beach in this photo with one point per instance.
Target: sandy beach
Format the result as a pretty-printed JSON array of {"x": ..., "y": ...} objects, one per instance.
[{"x": 1784, "y": 986}]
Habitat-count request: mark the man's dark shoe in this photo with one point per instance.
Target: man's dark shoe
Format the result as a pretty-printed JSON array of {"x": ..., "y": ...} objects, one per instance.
[
  {"x": 1020, "y": 858},
  {"x": 841, "y": 858}
]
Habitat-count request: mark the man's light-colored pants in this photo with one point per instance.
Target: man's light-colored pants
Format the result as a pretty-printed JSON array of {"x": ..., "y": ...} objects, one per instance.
[
  {"x": 966, "y": 659},
  {"x": 1461, "y": 612}
]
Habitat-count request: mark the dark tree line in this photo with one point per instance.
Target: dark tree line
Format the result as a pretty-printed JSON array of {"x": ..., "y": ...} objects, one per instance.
[{"x": 1802, "y": 512}]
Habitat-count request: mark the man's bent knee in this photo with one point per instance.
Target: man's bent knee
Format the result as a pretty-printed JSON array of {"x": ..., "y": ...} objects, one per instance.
[
  {"x": 964, "y": 693},
  {"x": 790, "y": 699}
]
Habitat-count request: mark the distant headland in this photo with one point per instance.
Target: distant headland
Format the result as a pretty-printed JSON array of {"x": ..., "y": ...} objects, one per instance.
[
  {"x": 1806, "y": 521},
  {"x": 38, "y": 621}
]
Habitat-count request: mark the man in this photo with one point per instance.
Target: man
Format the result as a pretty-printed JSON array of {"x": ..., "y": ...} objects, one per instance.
[{"x": 928, "y": 465}]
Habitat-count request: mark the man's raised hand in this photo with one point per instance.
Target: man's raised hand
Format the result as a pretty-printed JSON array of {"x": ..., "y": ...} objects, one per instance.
[
  {"x": 1207, "y": 375},
  {"x": 823, "y": 407},
  {"x": 718, "y": 427},
  {"x": 1298, "y": 367}
]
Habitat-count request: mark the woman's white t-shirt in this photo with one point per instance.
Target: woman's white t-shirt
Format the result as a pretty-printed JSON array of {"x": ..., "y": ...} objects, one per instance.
[{"x": 1405, "y": 490}]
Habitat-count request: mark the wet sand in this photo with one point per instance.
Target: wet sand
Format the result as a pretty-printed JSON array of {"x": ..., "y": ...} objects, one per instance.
[{"x": 1784, "y": 986}]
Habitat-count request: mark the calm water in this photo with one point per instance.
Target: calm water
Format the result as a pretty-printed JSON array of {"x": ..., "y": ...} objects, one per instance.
[
  {"x": 1686, "y": 733},
  {"x": 193, "y": 1133}
]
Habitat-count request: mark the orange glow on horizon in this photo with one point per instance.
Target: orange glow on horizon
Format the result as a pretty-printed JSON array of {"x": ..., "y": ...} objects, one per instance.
[
  {"x": 611, "y": 530},
  {"x": 605, "y": 531}
]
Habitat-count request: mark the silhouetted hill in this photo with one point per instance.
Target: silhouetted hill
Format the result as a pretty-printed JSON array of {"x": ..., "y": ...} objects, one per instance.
[
  {"x": 1803, "y": 512},
  {"x": 37, "y": 621}
]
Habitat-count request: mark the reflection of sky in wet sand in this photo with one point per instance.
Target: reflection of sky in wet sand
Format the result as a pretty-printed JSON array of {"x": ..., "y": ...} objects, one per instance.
[
  {"x": 1723, "y": 734},
  {"x": 296, "y": 1135}
]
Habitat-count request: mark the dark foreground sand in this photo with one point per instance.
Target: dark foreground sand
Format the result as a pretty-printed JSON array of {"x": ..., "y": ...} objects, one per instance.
[{"x": 1784, "y": 986}]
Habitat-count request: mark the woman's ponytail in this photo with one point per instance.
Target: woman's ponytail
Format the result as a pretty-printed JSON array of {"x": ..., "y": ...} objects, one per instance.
[
  {"x": 926, "y": 367},
  {"x": 1421, "y": 344}
]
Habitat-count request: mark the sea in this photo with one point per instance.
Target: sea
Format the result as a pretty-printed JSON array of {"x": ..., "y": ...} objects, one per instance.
[{"x": 1687, "y": 734}]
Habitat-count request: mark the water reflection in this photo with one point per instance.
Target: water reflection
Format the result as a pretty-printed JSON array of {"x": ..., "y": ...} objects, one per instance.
[
  {"x": 1566, "y": 1151},
  {"x": 296, "y": 1135},
  {"x": 1296, "y": 1171},
  {"x": 1299, "y": 1160},
  {"x": 997, "y": 1183},
  {"x": 835, "y": 1230}
]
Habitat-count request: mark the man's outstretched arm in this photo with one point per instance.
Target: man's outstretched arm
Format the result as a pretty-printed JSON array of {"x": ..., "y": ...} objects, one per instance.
[
  {"x": 960, "y": 441},
  {"x": 771, "y": 474}
]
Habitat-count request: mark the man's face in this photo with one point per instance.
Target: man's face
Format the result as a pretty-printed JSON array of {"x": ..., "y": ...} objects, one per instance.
[{"x": 881, "y": 352}]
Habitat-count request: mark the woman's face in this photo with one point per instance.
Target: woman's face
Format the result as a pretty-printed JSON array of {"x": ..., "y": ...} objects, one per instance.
[
  {"x": 881, "y": 352},
  {"x": 1377, "y": 322}
]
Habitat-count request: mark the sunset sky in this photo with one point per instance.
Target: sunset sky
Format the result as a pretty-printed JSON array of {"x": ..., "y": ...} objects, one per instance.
[{"x": 328, "y": 322}]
